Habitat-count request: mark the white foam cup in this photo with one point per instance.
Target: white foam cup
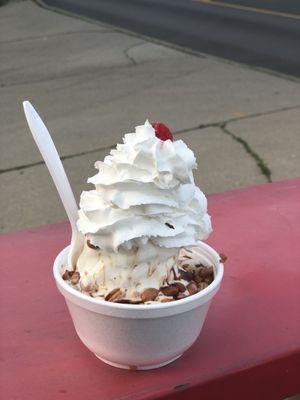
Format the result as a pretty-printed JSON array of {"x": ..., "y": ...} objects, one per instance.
[{"x": 139, "y": 336}]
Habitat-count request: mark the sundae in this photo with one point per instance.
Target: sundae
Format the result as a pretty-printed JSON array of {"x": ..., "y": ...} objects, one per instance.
[{"x": 141, "y": 223}]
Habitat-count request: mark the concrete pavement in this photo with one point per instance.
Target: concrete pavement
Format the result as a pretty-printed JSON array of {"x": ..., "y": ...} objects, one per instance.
[
  {"x": 91, "y": 83},
  {"x": 262, "y": 33}
]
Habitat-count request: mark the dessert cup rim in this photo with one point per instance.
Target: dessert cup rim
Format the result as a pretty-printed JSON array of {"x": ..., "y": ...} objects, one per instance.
[{"x": 219, "y": 268}]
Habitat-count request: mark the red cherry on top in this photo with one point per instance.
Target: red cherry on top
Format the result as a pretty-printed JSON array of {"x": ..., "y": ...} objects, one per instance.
[{"x": 162, "y": 131}]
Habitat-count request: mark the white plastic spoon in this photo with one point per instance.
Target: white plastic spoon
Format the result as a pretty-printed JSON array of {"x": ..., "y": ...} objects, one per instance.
[{"x": 47, "y": 148}]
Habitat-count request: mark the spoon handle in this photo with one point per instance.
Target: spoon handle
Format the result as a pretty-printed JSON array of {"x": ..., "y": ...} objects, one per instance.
[{"x": 50, "y": 155}]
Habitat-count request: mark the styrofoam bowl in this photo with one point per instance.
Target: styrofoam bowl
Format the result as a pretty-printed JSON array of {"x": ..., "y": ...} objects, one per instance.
[{"x": 139, "y": 336}]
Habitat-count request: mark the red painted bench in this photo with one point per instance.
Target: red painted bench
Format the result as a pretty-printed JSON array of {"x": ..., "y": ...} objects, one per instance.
[{"x": 249, "y": 347}]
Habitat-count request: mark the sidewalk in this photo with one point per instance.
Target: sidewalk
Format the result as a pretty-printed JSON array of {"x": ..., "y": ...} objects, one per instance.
[{"x": 92, "y": 83}]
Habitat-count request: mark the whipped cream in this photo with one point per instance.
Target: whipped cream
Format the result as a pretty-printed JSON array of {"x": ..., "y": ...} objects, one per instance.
[{"x": 144, "y": 195}]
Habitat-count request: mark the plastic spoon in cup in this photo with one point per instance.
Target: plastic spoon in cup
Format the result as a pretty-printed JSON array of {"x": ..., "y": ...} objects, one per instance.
[{"x": 50, "y": 155}]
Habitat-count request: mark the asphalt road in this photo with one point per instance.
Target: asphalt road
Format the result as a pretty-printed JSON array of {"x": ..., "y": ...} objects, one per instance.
[{"x": 263, "y": 33}]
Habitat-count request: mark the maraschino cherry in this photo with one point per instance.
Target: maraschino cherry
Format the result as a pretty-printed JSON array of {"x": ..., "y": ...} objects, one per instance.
[{"x": 162, "y": 131}]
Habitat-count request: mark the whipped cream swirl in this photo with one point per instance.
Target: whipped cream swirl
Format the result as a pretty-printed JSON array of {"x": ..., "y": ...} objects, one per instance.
[{"x": 144, "y": 194}]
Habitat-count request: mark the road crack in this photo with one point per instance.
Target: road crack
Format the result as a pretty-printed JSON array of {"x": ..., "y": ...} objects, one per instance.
[
  {"x": 126, "y": 52},
  {"x": 53, "y": 35},
  {"x": 265, "y": 170},
  {"x": 67, "y": 157},
  {"x": 221, "y": 124},
  {"x": 229, "y": 120}
]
